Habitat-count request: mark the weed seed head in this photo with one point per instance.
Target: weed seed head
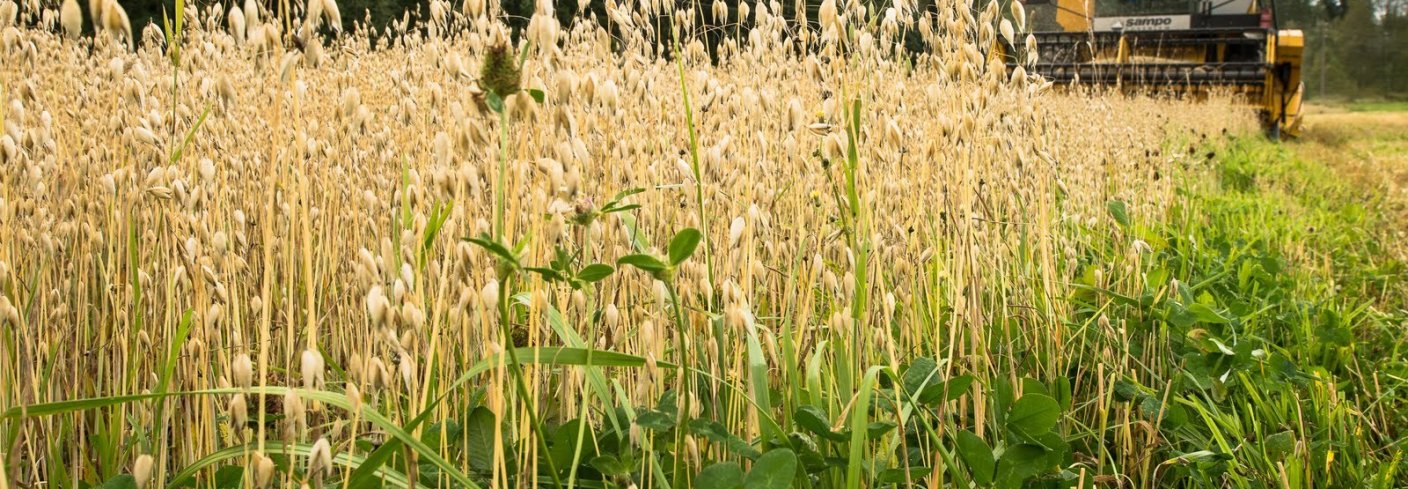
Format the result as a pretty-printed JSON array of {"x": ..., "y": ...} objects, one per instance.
[{"x": 499, "y": 73}]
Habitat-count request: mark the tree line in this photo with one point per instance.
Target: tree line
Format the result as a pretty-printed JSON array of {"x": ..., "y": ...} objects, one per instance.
[{"x": 1360, "y": 51}]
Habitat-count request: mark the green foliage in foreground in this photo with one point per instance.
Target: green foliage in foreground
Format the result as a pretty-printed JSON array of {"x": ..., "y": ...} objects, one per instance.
[
  {"x": 1378, "y": 106},
  {"x": 1274, "y": 357},
  {"x": 1263, "y": 349}
]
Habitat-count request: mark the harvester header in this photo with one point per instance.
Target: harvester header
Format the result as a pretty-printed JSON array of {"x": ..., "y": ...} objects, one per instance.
[{"x": 1186, "y": 47}]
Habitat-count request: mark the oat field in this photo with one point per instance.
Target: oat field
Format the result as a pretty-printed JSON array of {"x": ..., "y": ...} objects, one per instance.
[{"x": 258, "y": 251}]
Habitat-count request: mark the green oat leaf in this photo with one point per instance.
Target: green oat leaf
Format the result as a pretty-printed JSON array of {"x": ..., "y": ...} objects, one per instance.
[
  {"x": 722, "y": 475},
  {"x": 124, "y": 481},
  {"x": 1119, "y": 212},
  {"x": 496, "y": 248},
  {"x": 229, "y": 477},
  {"x": 1280, "y": 445},
  {"x": 479, "y": 434},
  {"x": 436, "y": 222},
  {"x": 978, "y": 456},
  {"x": 921, "y": 373},
  {"x": 1034, "y": 414},
  {"x": 496, "y": 103},
  {"x": 813, "y": 419},
  {"x": 684, "y": 244},
  {"x": 548, "y": 274},
  {"x": 610, "y": 465},
  {"x": 1207, "y": 314},
  {"x": 773, "y": 470},
  {"x": 623, "y": 194},
  {"x": 595, "y": 272},
  {"x": 644, "y": 262}
]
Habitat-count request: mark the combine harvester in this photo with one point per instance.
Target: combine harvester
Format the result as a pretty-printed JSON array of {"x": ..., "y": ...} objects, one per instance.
[{"x": 1188, "y": 48}]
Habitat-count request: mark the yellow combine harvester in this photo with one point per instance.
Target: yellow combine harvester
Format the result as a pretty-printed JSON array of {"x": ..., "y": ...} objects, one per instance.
[{"x": 1187, "y": 47}]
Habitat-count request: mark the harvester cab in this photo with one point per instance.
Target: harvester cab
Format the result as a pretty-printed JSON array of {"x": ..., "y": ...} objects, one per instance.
[{"x": 1188, "y": 48}]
